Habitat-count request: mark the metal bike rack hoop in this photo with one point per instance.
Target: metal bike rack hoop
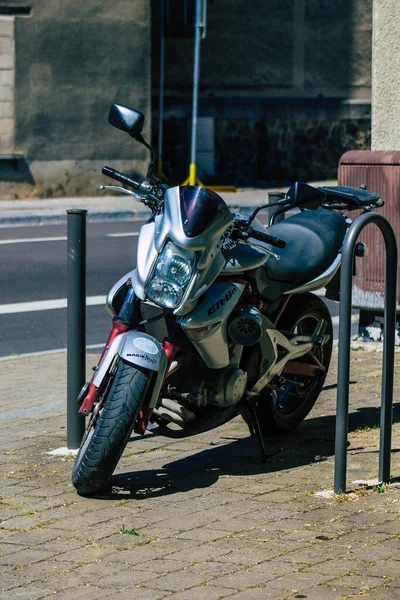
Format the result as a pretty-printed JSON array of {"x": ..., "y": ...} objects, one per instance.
[{"x": 342, "y": 401}]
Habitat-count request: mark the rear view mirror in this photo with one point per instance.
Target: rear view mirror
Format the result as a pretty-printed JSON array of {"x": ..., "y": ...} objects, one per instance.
[
  {"x": 305, "y": 196},
  {"x": 127, "y": 119}
]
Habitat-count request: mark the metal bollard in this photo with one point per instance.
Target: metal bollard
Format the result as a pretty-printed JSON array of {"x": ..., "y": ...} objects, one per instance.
[
  {"x": 342, "y": 402},
  {"x": 76, "y": 319}
]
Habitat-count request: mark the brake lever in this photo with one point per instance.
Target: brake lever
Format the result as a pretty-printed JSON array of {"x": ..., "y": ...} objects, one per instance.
[
  {"x": 276, "y": 256},
  {"x": 244, "y": 237},
  {"x": 117, "y": 188}
]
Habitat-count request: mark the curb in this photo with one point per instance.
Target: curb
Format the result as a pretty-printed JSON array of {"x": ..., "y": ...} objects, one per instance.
[
  {"x": 93, "y": 216},
  {"x": 61, "y": 218},
  {"x": 99, "y": 216}
]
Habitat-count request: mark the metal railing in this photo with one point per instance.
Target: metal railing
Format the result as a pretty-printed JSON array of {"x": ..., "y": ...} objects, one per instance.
[{"x": 342, "y": 402}]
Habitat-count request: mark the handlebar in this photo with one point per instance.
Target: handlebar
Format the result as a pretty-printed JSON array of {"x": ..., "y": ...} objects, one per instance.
[
  {"x": 109, "y": 172},
  {"x": 265, "y": 237}
]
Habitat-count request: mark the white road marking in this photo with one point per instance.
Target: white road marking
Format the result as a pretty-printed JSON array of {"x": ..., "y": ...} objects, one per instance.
[
  {"x": 61, "y": 238},
  {"x": 29, "y": 240},
  {"x": 21, "y": 307},
  {"x": 127, "y": 234}
]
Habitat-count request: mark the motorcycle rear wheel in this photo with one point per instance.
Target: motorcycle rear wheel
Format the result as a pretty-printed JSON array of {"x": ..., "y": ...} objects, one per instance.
[
  {"x": 108, "y": 433},
  {"x": 279, "y": 412}
]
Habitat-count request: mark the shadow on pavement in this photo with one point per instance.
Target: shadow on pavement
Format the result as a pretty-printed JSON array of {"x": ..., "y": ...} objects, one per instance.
[{"x": 312, "y": 442}]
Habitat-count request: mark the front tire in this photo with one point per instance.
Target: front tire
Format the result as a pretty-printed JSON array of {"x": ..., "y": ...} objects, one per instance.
[
  {"x": 280, "y": 412},
  {"x": 108, "y": 432}
]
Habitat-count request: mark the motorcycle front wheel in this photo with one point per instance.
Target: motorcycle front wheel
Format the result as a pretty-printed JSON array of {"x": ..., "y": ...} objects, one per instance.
[
  {"x": 284, "y": 409},
  {"x": 109, "y": 428}
]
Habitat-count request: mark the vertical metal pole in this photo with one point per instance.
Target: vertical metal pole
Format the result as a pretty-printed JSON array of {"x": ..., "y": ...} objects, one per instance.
[
  {"x": 342, "y": 397},
  {"x": 76, "y": 317},
  {"x": 161, "y": 94},
  {"x": 388, "y": 355},
  {"x": 196, "y": 76}
]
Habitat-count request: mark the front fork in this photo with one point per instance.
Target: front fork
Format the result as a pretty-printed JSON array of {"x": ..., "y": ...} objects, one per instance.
[
  {"x": 170, "y": 350},
  {"x": 121, "y": 324}
]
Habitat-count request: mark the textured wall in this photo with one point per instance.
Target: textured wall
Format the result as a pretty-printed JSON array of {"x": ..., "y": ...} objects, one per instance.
[
  {"x": 73, "y": 59},
  {"x": 6, "y": 85},
  {"x": 386, "y": 76}
]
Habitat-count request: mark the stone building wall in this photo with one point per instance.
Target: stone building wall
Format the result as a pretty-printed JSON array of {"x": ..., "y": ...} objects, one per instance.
[
  {"x": 7, "y": 121},
  {"x": 72, "y": 61}
]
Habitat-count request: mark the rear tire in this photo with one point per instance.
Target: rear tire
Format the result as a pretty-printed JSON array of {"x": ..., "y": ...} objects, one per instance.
[
  {"x": 108, "y": 434},
  {"x": 279, "y": 412}
]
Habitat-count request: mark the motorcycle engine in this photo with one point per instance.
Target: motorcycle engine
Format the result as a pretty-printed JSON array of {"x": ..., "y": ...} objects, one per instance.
[{"x": 222, "y": 387}]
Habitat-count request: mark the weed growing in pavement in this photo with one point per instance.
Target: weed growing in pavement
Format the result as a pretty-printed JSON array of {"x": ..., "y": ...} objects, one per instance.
[
  {"x": 366, "y": 428},
  {"x": 380, "y": 488},
  {"x": 128, "y": 531}
]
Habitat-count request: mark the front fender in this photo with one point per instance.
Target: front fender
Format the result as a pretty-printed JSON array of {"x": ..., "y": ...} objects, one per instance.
[{"x": 137, "y": 349}]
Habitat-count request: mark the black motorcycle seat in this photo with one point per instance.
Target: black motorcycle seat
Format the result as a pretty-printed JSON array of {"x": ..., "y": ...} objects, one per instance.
[{"x": 313, "y": 238}]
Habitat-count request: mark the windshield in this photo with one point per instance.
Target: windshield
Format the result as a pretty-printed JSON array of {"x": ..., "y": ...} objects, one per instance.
[{"x": 199, "y": 207}]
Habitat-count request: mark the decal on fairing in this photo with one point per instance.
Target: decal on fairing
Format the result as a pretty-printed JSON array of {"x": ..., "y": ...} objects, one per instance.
[{"x": 222, "y": 301}]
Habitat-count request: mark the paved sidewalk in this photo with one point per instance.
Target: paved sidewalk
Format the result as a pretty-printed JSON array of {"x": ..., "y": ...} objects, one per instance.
[
  {"x": 108, "y": 208},
  {"x": 200, "y": 518}
]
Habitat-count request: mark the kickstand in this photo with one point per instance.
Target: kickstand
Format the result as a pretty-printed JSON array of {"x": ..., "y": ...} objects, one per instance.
[
  {"x": 253, "y": 424},
  {"x": 248, "y": 419}
]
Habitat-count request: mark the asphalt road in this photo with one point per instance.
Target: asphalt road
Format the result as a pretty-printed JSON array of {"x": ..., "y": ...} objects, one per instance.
[{"x": 34, "y": 270}]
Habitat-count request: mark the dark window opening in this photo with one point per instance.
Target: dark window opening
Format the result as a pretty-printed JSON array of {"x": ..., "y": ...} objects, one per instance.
[{"x": 15, "y": 11}]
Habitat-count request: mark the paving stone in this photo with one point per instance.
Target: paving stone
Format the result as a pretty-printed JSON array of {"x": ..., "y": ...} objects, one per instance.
[
  {"x": 214, "y": 528},
  {"x": 203, "y": 592},
  {"x": 325, "y": 592},
  {"x": 262, "y": 592},
  {"x": 149, "y": 551},
  {"x": 203, "y": 534},
  {"x": 85, "y": 554},
  {"x": 386, "y": 569},
  {"x": 25, "y": 557},
  {"x": 167, "y": 565},
  {"x": 141, "y": 593},
  {"x": 10, "y": 580},
  {"x": 127, "y": 578},
  {"x": 204, "y": 552},
  {"x": 82, "y": 593},
  {"x": 38, "y": 571},
  {"x": 193, "y": 576},
  {"x": 22, "y": 593},
  {"x": 253, "y": 576}
]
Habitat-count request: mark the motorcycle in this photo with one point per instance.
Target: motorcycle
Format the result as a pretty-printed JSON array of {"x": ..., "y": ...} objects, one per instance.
[{"x": 217, "y": 319}]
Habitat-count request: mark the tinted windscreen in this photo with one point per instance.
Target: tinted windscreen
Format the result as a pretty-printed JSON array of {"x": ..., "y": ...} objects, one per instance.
[{"x": 199, "y": 206}]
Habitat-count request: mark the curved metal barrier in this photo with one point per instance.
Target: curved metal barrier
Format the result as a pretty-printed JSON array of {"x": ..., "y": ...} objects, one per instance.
[{"x": 342, "y": 399}]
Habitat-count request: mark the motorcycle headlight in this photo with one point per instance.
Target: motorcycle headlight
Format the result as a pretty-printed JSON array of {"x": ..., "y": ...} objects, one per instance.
[{"x": 171, "y": 275}]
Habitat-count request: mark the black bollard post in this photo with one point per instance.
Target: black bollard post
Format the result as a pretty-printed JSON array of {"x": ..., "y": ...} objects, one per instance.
[{"x": 76, "y": 317}]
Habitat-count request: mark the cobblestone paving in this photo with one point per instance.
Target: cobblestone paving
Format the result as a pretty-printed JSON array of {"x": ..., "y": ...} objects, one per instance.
[{"x": 200, "y": 518}]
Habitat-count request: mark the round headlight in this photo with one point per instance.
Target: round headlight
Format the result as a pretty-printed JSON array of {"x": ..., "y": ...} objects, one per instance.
[
  {"x": 171, "y": 275},
  {"x": 165, "y": 293}
]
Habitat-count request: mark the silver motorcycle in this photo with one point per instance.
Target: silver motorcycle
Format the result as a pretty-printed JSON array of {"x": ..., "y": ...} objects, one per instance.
[{"x": 217, "y": 319}]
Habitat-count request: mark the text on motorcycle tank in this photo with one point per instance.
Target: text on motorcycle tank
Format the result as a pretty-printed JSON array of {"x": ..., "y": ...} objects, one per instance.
[
  {"x": 228, "y": 244},
  {"x": 222, "y": 301}
]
